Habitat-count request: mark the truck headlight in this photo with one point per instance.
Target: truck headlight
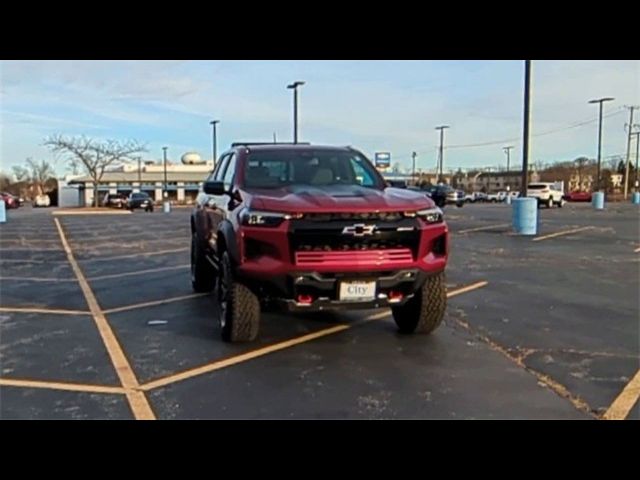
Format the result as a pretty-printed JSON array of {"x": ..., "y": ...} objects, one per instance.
[
  {"x": 430, "y": 215},
  {"x": 256, "y": 218}
]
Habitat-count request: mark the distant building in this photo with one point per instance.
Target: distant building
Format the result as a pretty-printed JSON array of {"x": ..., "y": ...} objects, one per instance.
[
  {"x": 183, "y": 180},
  {"x": 582, "y": 183},
  {"x": 491, "y": 182}
]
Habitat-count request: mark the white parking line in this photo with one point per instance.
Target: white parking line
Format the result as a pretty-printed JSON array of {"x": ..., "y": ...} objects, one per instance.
[{"x": 480, "y": 229}]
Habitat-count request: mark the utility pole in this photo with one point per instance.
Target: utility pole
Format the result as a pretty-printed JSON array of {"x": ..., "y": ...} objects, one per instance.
[
  {"x": 413, "y": 173},
  {"x": 441, "y": 154},
  {"x": 637, "y": 135},
  {"x": 140, "y": 173},
  {"x": 294, "y": 86},
  {"x": 626, "y": 170},
  {"x": 525, "y": 130},
  {"x": 215, "y": 141},
  {"x": 507, "y": 150},
  {"x": 274, "y": 138},
  {"x": 600, "y": 101},
  {"x": 164, "y": 150}
]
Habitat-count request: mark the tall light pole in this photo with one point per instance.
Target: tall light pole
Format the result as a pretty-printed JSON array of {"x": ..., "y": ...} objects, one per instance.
[
  {"x": 214, "y": 134},
  {"x": 413, "y": 172},
  {"x": 140, "y": 173},
  {"x": 164, "y": 152},
  {"x": 507, "y": 150},
  {"x": 600, "y": 101},
  {"x": 525, "y": 128},
  {"x": 441, "y": 155},
  {"x": 294, "y": 86}
]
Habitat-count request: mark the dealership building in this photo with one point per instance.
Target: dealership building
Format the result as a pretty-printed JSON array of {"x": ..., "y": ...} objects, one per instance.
[{"x": 183, "y": 180}]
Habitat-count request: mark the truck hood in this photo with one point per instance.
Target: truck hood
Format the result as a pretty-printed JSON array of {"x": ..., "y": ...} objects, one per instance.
[{"x": 337, "y": 198}]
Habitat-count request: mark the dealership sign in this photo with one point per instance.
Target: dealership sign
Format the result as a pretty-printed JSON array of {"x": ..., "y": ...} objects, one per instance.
[{"x": 383, "y": 159}]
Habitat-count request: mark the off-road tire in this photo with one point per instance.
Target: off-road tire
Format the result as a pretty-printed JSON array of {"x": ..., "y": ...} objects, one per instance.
[
  {"x": 425, "y": 311},
  {"x": 203, "y": 275},
  {"x": 240, "y": 319}
]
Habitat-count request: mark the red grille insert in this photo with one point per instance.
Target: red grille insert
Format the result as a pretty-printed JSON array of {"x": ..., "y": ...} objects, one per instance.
[{"x": 360, "y": 257}]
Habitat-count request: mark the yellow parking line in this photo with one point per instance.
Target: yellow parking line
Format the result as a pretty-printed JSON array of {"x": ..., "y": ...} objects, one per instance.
[
  {"x": 137, "y": 399},
  {"x": 71, "y": 387},
  {"x": 139, "y": 272},
  {"x": 479, "y": 229},
  {"x": 565, "y": 232},
  {"x": 37, "y": 279},
  {"x": 468, "y": 288},
  {"x": 219, "y": 364},
  {"x": 134, "y": 255},
  {"x": 53, "y": 311},
  {"x": 154, "y": 303},
  {"x": 623, "y": 404}
]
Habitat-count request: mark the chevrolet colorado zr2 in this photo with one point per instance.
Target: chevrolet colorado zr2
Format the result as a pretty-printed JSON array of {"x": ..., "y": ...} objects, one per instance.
[{"x": 314, "y": 228}]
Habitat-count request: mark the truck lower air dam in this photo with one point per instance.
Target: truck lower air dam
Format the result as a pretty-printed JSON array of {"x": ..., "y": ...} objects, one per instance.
[
  {"x": 525, "y": 216},
  {"x": 598, "y": 200}
]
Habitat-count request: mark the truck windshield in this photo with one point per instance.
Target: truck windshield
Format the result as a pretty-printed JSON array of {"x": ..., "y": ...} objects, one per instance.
[{"x": 275, "y": 169}]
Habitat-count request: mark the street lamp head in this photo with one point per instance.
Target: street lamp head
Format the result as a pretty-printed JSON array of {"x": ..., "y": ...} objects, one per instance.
[
  {"x": 296, "y": 84},
  {"x": 442, "y": 127},
  {"x": 214, "y": 122},
  {"x": 599, "y": 100}
]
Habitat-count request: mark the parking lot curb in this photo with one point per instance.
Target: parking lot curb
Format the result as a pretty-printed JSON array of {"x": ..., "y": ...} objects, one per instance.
[{"x": 90, "y": 212}]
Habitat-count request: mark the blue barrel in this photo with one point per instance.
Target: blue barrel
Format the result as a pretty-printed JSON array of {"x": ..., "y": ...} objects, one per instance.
[
  {"x": 3, "y": 212},
  {"x": 598, "y": 200},
  {"x": 525, "y": 216},
  {"x": 635, "y": 198},
  {"x": 167, "y": 207}
]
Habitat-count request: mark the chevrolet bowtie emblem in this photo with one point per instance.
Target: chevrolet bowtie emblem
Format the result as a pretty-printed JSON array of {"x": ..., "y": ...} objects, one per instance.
[{"x": 359, "y": 230}]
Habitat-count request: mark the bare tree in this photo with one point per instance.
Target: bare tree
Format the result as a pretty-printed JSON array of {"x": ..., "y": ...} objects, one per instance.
[
  {"x": 94, "y": 156},
  {"x": 580, "y": 163},
  {"x": 35, "y": 175}
]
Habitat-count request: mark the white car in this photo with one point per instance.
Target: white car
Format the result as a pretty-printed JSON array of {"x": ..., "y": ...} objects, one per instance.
[
  {"x": 546, "y": 193},
  {"x": 42, "y": 201}
]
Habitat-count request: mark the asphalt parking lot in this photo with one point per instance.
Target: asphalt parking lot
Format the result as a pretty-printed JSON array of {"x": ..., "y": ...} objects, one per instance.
[{"x": 98, "y": 321}]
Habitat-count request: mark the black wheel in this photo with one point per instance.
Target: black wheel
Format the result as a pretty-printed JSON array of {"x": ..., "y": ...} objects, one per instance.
[
  {"x": 459, "y": 204},
  {"x": 560, "y": 203},
  {"x": 202, "y": 272},
  {"x": 424, "y": 312},
  {"x": 550, "y": 202},
  {"x": 239, "y": 306}
]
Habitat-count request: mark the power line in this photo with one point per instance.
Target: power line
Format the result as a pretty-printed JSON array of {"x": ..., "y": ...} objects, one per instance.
[{"x": 516, "y": 139}]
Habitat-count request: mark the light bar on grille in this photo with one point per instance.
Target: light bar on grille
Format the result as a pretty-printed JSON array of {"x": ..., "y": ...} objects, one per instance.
[{"x": 360, "y": 257}]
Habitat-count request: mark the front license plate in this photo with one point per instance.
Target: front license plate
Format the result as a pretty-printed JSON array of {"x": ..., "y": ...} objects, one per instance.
[{"x": 357, "y": 291}]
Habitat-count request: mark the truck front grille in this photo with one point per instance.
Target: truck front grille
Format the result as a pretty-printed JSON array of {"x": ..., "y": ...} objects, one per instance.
[{"x": 359, "y": 257}]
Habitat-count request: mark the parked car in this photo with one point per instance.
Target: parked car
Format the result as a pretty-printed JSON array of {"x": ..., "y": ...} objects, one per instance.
[
  {"x": 475, "y": 197},
  {"x": 41, "y": 201},
  {"x": 397, "y": 183},
  {"x": 114, "y": 200},
  {"x": 578, "y": 196},
  {"x": 546, "y": 193},
  {"x": 140, "y": 200},
  {"x": 445, "y": 194},
  {"x": 314, "y": 228},
  {"x": 9, "y": 200}
]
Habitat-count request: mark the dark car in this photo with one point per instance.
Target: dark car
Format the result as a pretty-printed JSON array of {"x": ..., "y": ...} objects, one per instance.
[
  {"x": 140, "y": 200},
  {"x": 114, "y": 200},
  {"x": 9, "y": 200},
  {"x": 313, "y": 228}
]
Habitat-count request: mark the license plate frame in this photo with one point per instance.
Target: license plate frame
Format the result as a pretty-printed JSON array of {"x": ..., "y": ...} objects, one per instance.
[{"x": 357, "y": 290}]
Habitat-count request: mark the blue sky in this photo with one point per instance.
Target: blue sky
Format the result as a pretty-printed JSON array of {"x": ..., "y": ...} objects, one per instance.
[{"x": 372, "y": 105}]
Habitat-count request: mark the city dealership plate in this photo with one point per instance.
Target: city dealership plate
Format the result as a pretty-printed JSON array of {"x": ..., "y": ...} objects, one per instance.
[{"x": 357, "y": 291}]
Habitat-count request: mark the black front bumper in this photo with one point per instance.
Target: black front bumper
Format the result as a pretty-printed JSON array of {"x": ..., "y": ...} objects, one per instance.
[{"x": 324, "y": 289}]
